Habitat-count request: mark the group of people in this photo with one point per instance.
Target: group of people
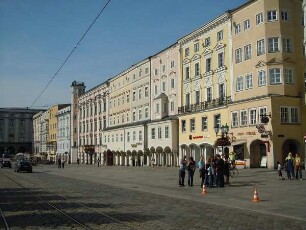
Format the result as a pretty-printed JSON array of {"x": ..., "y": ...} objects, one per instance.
[
  {"x": 293, "y": 167},
  {"x": 60, "y": 163},
  {"x": 213, "y": 172}
]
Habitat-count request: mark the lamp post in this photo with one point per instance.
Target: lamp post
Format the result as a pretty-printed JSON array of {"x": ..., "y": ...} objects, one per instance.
[{"x": 224, "y": 135}]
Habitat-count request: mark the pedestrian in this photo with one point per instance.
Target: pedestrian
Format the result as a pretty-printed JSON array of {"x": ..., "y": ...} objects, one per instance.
[
  {"x": 219, "y": 171},
  {"x": 182, "y": 169},
  {"x": 63, "y": 163},
  {"x": 201, "y": 166},
  {"x": 210, "y": 172},
  {"x": 191, "y": 167},
  {"x": 298, "y": 167},
  {"x": 78, "y": 161},
  {"x": 98, "y": 161},
  {"x": 152, "y": 162},
  {"x": 279, "y": 170},
  {"x": 227, "y": 165},
  {"x": 59, "y": 163},
  {"x": 289, "y": 165}
]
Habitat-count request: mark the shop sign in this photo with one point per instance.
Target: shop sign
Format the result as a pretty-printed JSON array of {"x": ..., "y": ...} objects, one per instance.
[
  {"x": 197, "y": 137},
  {"x": 246, "y": 133}
]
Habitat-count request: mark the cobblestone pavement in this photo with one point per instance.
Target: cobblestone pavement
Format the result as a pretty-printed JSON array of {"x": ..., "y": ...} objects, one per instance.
[{"x": 148, "y": 198}]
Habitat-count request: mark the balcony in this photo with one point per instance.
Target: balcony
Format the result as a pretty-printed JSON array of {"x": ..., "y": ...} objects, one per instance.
[{"x": 202, "y": 106}]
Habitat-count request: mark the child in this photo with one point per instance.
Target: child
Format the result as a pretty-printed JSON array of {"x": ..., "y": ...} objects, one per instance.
[{"x": 279, "y": 169}]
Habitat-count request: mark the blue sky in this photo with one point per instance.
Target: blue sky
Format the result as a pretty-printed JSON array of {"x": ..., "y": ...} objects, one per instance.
[{"x": 37, "y": 35}]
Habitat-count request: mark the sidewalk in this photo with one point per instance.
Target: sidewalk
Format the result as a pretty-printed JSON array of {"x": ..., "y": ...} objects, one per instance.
[{"x": 277, "y": 197}]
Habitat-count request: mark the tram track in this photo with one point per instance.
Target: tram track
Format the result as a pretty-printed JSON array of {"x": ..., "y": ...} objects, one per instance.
[
  {"x": 107, "y": 218},
  {"x": 6, "y": 226}
]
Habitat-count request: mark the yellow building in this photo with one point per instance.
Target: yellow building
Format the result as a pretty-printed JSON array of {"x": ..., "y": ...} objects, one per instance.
[
  {"x": 52, "y": 137},
  {"x": 268, "y": 110},
  {"x": 206, "y": 86}
]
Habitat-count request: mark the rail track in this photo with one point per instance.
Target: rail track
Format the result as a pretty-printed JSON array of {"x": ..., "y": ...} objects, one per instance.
[{"x": 76, "y": 222}]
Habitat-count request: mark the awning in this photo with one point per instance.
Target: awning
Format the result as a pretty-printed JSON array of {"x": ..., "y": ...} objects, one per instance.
[{"x": 238, "y": 142}]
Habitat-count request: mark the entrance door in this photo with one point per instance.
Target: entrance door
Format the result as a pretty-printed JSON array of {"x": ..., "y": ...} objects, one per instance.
[
  {"x": 110, "y": 158},
  {"x": 257, "y": 152}
]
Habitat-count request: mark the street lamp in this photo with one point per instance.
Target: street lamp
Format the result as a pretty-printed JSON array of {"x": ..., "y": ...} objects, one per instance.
[{"x": 225, "y": 139}]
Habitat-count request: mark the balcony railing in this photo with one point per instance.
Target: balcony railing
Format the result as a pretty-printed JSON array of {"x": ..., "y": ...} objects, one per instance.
[{"x": 202, "y": 106}]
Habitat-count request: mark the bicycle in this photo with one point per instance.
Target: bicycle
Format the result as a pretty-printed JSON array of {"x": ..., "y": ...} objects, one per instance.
[{"x": 233, "y": 172}]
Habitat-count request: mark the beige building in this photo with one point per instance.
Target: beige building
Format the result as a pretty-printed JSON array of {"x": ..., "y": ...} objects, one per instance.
[
  {"x": 162, "y": 130},
  {"x": 267, "y": 116},
  {"x": 206, "y": 86}
]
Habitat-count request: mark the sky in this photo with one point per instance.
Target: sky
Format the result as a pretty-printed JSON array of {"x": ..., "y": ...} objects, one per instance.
[{"x": 38, "y": 35}]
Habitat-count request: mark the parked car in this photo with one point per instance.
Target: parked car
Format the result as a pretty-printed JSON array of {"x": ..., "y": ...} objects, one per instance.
[
  {"x": 6, "y": 163},
  {"x": 23, "y": 166}
]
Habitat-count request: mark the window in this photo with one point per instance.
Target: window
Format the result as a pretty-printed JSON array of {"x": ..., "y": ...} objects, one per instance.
[
  {"x": 239, "y": 84},
  {"x": 140, "y": 114},
  {"x": 134, "y": 115},
  {"x": 275, "y": 76},
  {"x": 247, "y": 24},
  {"x": 284, "y": 15},
  {"x": 197, "y": 97},
  {"x": 259, "y": 18},
  {"x": 192, "y": 125},
  {"x": 237, "y": 29},
  {"x": 262, "y": 111},
  {"x": 289, "y": 114},
  {"x": 134, "y": 96},
  {"x": 172, "y": 83},
  {"x": 248, "y": 81},
  {"x": 221, "y": 91},
  {"x": 253, "y": 117},
  {"x": 208, "y": 64},
  {"x": 217, "y": 120},
  {"x": 146, "y": 112},
  {"x": 261, "y": 78},
  {"x": 140, "y": 135},
  {"x": 139, "y": 73},
  {"x": 187, "y": 102},
  {"x": 164, "y": 68},
  {"x": 157, "y": 107},
  {"x": 139, "y": 94},
  {"x": 159, "y": 132},
  {"x": 288, "y": 75},
  {"x": 207, "y": 41},
  {"x": 287, "y": 45},
  {"x": 153, "y": 133},
  {"x": 260, "y": 47},
  {"x": 127, "y": 117},
  {"x": 172, "y": 64},
  {"x": 197, "y": 69},
  {"x": 146, "y": 70},
  {"x": 166, "y": 131},
  {"x": 186, "y": 52},
  {"x": 235, "y": 120},
  {"x": 187, "y": 72},
  {"x": 183, "y": 126},
  {"x": 243, "y": 118},
  {"x": 127, "y": 98},
  {"x": 238, "y": 55},
  {"x": 172, "y": 106},
  {"x": 163, "y": 86},
  {"x": 204, "y": 123},
  {"x": 272, "y": 15},
  {"x": 156, "y": 72},
  {"x": 146, "y": 91},
  {"x": 134, "y": 76},
  {"x": 155, "y": 89},
  {"x": 247, "y": 52},
  {"x": 208, "y": 94},
  {"x": 273, "y": 44},
  {"x": 128, "y": 136},
  {"x": 220, "y": 35},
  {"x": 196, "y": 47},
  {"x": 220, "y": 60}
]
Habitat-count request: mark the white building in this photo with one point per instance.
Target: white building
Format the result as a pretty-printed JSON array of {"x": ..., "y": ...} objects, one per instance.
[{"x": 63, "y": 134}]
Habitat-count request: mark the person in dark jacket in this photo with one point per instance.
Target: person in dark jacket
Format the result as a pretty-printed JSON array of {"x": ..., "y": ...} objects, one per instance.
[
  {"x": 219, "y": 171},
  {"x": 191, "y": 166},
  {"x": 182, "y": 169}
]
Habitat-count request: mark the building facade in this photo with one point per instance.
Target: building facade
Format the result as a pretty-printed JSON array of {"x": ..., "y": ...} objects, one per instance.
[
  {"x": 16, "y": 130},
  {"x": 63, "y": 134}
]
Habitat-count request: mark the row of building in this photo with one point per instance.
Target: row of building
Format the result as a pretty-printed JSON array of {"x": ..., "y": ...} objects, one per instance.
[{"x": 236, "y": 84}]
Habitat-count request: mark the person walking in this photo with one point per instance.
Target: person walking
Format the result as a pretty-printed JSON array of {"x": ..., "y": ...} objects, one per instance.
[
  {"x": 59, "y": 163},
  {"x": 298, "y": 167},
  {"x": 210, "y": 172},
  {"x": 98, "y": 161},
  {"x": 279, "y": 170},
  {"x": 191, "y": 166},
  {"x": 219, "y": 171},
  {"x": 182, "y": 169},
  {"x": 63, "y": 163},
  {"x": 201, "y": 166},
  {"x": 78, "y": 161},
  {"x": 289, "y": 164}
]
